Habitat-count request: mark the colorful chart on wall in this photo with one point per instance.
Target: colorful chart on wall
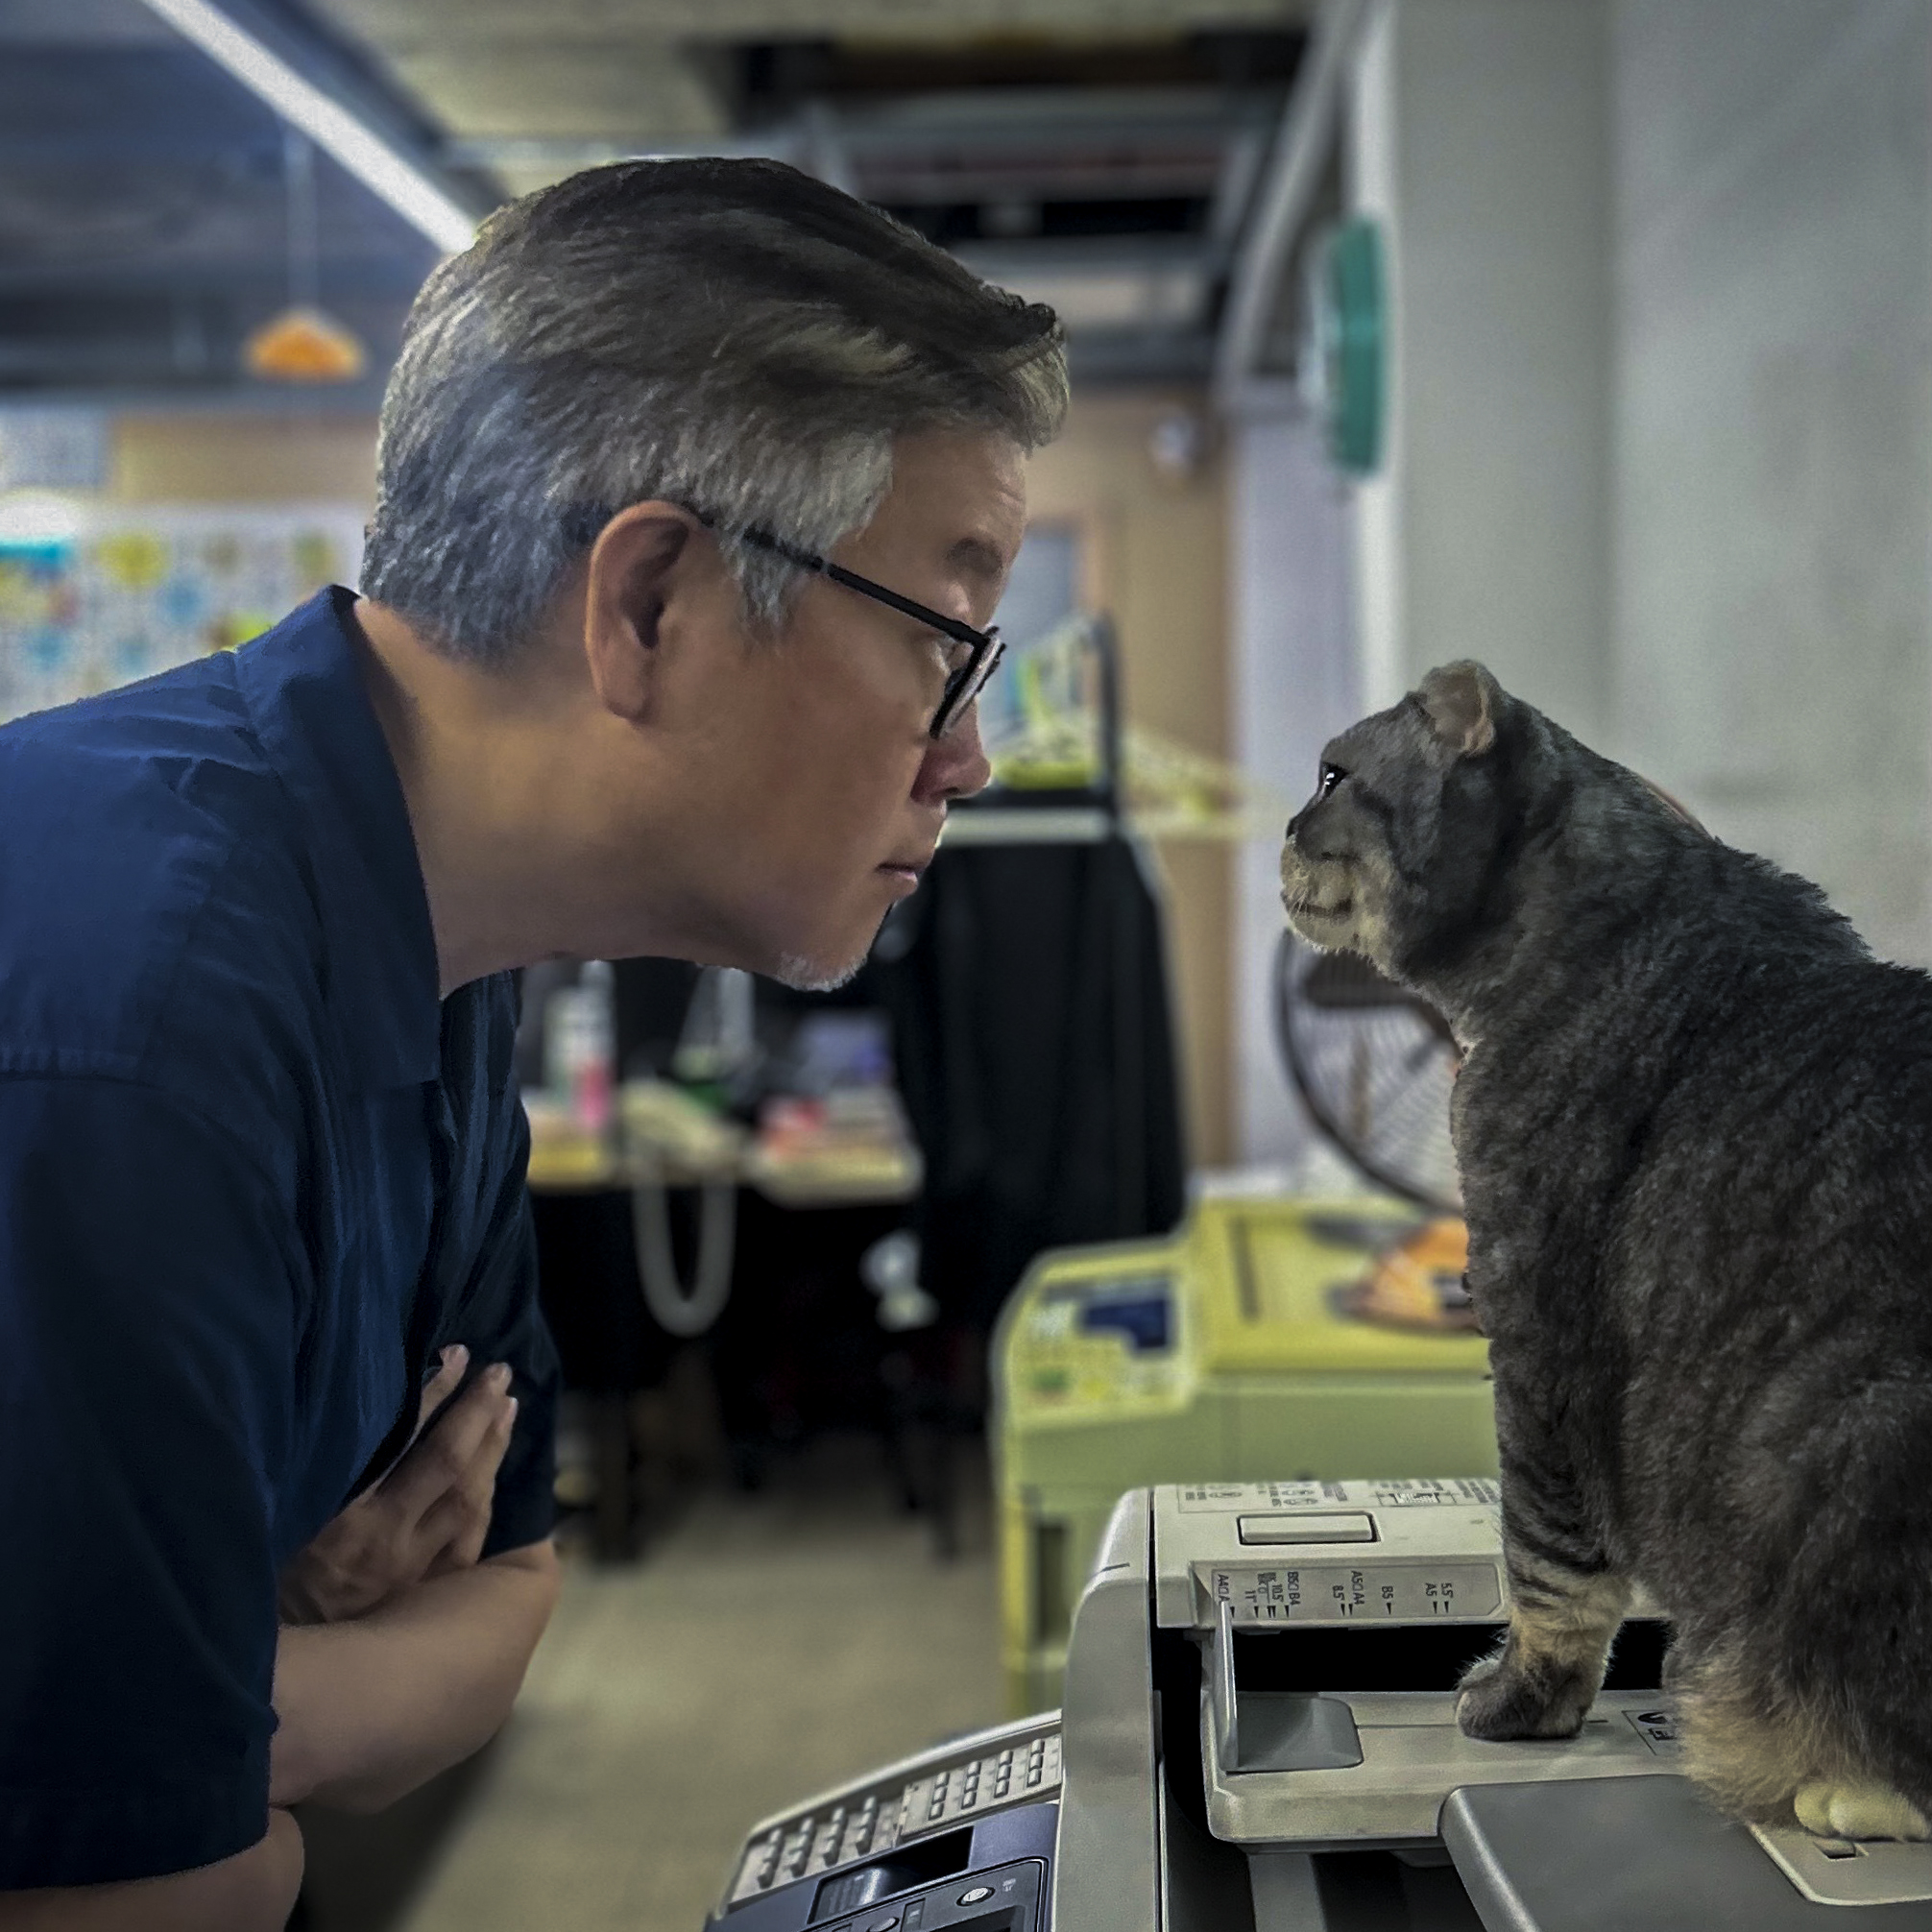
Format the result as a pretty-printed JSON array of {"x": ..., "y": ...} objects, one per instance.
[{"x": 136, "y": 591}]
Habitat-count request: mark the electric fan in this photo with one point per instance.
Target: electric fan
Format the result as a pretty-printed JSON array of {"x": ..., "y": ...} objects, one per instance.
[{"x": 1374, "y": 1065}]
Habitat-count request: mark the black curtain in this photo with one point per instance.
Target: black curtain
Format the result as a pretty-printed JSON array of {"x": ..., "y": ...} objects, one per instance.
[{"x": 1028, "y": 989}]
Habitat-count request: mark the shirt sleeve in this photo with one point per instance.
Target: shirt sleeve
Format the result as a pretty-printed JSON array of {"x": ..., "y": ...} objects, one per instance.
[
  {"x": 524, "y": 1511},
  {"x": 501, "y": 1321},
  {"x": 150, "y": 1287}
]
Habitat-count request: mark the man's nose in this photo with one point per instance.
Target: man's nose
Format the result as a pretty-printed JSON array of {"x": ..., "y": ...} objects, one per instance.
[{"x": 956, "y": 766}]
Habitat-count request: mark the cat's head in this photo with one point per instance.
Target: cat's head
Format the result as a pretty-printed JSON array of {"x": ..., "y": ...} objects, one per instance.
[
  {"x": 1426, "y": 827},
  {"x": 1404, "y": 825}
]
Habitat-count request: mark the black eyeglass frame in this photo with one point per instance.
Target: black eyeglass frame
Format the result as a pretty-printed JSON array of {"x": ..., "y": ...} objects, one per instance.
[{"x": 962, "y": 686}]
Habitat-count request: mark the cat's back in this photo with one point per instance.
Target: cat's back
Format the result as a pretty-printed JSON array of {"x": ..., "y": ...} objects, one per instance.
[
  {"x": 1764, "y": 1002},
  {"x": 1711, "y": 969},
  {"x": 1723, "y": 1055}
]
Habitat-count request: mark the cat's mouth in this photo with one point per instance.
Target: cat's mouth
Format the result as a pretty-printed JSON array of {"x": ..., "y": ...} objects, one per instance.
[{"x": 1307, "y": 909}]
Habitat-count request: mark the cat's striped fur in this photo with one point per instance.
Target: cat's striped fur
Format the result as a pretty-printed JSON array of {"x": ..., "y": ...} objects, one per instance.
[{"x": 1694, "y": 1124}]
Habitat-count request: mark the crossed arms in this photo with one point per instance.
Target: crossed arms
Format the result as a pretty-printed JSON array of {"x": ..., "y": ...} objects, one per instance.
[{"x": 400, "y": 1655}]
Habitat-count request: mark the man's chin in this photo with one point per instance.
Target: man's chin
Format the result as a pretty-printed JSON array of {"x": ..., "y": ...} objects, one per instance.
[
  {"x": 825, "y": 970},
  {"x": 804, "y": 974}
]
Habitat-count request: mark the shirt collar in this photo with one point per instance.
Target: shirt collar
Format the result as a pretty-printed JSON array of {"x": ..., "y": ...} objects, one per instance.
[{"x": 304, "y": 687}]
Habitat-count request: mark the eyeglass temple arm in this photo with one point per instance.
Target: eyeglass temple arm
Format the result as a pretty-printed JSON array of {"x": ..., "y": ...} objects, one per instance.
[{"x": 824, "y": 567}]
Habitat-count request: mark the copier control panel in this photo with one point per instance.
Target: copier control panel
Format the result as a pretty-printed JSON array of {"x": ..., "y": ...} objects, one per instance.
[
  {"x": 958, "y": 1837},
  {"x": 858, "y": 1824}
]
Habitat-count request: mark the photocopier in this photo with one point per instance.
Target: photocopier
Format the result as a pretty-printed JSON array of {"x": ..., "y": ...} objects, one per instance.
[{"x": 1258, "y": 1734}]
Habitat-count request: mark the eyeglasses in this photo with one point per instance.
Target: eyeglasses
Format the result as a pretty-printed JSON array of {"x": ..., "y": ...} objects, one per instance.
[{"x": 965, "y": 678}]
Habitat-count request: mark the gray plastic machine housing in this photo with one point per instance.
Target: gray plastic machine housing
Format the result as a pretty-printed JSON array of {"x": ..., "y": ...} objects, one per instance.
[{"x": 1259, "y": 1735}]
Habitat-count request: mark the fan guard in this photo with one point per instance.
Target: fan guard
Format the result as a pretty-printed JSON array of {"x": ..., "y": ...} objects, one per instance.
[{"x": 1374, "y": 1065}]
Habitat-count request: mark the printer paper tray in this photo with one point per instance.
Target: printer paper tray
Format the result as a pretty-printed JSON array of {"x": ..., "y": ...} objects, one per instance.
[{"x": 1412, "y": 1756}]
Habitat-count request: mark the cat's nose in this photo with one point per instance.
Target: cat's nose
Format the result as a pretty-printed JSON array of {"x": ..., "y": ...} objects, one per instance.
[{"x": 1295, "y": 827}]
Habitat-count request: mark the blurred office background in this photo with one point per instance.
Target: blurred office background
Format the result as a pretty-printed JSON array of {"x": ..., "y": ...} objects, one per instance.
[{"x": 1591, "y": 338}]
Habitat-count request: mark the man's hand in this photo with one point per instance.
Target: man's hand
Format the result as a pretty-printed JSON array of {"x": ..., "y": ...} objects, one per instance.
[
  {"x": 400, "y": 1651},
  {"x": 426, "y": 1517}
]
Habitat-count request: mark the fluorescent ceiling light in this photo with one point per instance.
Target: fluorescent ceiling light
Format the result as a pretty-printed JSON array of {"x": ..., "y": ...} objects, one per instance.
[{"x": 325, "y": 121}]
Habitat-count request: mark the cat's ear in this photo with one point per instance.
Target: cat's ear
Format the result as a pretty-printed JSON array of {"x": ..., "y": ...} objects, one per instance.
[{"x": 1461, "y": 701}]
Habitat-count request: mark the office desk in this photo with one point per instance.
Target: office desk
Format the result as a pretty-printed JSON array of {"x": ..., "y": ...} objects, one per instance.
[{"x": 798, "y": 1228}]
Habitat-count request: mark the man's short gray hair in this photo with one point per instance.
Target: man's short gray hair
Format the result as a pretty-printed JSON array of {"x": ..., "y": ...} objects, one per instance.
[{"x": 731, "y": 335}]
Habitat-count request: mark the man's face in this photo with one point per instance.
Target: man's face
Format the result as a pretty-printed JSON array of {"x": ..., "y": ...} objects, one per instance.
[{"x": 811, "y": 794}]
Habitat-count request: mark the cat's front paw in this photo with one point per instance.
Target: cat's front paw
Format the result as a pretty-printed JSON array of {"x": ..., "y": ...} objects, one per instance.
[
  {"x": 1499, "y": 1701},
  {"x": 1832, "y": 1810}
]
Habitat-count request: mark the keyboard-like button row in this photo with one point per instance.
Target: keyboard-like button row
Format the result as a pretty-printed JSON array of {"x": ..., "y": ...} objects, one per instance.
[
  {"x": 815, "y": 1844},
  {"x": 831, "y": 1847}
]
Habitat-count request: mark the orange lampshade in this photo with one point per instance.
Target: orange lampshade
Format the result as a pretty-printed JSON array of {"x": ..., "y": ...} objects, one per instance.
[{"x": 303, "y": 344}]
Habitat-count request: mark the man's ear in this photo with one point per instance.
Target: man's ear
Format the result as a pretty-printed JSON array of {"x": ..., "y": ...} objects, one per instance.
[
  {"x": 1463, "y": 702},
  {"x": 629, "y": 582}
]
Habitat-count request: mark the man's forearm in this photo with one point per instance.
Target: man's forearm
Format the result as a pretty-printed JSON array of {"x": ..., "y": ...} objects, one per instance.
[{"x": 371, "y": 1707}]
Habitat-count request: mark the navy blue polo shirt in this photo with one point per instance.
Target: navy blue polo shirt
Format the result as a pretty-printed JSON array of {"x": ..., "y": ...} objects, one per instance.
[{"x": 252, "y": 1174}]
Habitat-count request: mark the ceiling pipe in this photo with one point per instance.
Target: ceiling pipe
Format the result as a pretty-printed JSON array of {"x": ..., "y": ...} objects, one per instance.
[
  {"x": 374, "y": 160},
  {"x": 1287, "y": 190}
]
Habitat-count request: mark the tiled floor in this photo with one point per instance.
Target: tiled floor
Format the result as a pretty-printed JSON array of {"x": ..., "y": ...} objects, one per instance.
[{"x": 767, "y": 1645}]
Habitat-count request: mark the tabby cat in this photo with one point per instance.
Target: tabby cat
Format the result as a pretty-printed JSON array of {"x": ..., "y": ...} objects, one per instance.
[{"x": 1694, "y": 1126}]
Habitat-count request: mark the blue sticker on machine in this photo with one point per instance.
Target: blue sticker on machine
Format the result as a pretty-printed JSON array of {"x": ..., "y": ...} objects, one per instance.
[{"x": 1141, "y": 1310}]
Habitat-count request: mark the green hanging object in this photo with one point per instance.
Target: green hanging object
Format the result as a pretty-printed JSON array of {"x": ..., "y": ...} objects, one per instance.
[{"x": 1348, "y": 353}]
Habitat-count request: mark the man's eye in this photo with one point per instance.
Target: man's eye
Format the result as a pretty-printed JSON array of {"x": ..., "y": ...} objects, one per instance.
[{"x": 1332, "y": 775}]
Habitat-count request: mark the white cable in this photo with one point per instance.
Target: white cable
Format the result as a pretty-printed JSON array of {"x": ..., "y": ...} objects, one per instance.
[{"x": 679, "y": 1310}]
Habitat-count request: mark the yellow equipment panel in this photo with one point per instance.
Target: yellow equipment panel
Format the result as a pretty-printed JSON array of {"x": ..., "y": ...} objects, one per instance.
[{"x": 1217, "y": 1356}]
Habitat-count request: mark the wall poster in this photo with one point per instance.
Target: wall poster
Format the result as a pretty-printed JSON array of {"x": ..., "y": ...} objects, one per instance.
[{"x": 133, "y": 590}]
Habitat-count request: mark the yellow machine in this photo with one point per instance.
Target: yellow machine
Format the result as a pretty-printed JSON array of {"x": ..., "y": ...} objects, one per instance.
[{"x": 1221, "y": 1355}]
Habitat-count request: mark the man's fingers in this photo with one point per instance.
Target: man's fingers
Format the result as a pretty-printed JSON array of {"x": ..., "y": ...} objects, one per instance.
[
  {"x": 440, "y": 1459},
  {"x": 471, "y": 1503},
  {"x": 441, "y": 1386}
]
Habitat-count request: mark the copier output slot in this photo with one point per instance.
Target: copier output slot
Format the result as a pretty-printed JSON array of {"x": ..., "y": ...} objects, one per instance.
[{"x": 1413, "y": 1658}]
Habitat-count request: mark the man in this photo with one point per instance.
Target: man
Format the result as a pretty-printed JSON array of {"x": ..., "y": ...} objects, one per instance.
[{"x": 698, "y": 483}]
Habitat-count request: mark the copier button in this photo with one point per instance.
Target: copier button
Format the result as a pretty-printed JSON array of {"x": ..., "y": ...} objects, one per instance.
[
  {"x": 1352, "y": 1528},
  {"x": 975, "y": 1894}
]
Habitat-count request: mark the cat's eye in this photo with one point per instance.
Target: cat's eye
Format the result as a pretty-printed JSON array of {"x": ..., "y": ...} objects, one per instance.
[{"x": 1332, "y": 775}]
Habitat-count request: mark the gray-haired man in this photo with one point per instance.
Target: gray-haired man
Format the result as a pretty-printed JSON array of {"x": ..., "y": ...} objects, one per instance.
[{"x": 699, "y": 484}]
